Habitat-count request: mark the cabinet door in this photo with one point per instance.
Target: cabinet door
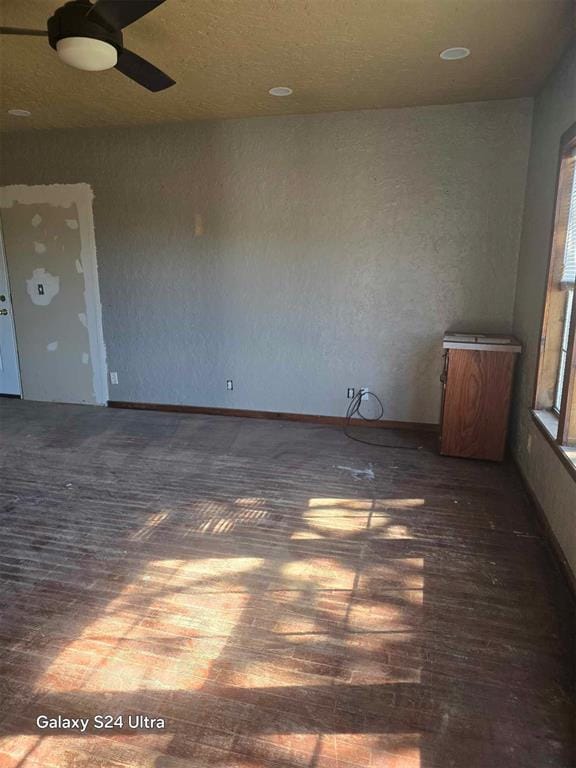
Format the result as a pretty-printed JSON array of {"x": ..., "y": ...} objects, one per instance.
[{"x": 476, "y": 404}]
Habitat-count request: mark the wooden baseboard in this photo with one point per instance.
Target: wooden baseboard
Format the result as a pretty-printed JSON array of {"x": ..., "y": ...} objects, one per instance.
[
  {"x": 338, "y": 421},
  {"x": 552, "y": 543}
]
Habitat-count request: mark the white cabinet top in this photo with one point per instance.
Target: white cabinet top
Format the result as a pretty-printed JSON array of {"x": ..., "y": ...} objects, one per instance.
[{"x": 481, "y": 342}]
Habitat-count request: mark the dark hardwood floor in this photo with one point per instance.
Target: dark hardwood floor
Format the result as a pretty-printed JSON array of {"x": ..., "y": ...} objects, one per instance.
[{"x": 281, "y": 596}]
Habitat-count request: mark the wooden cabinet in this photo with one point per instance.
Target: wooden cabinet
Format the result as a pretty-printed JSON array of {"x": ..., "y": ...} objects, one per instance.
[{"x": 477, "y": 380}]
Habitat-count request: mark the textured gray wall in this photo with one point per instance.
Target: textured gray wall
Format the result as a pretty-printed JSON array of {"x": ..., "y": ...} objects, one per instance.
[
  {"x": 297, "y": 256},
  {"x": 554, "y": 112}
]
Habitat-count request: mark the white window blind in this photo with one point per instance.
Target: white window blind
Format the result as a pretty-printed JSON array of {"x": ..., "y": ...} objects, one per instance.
[{"x": 569, "y": 265}]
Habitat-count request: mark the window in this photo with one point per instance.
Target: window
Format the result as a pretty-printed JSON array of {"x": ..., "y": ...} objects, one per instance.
[{"x": 556, "y": 378}]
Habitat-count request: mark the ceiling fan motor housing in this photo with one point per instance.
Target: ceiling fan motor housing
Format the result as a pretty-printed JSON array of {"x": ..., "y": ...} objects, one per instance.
[{"x": 77, "y": 19}]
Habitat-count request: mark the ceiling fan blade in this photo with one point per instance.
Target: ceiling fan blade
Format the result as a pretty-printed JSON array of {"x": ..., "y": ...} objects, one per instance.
[
  {"x": 142, "y": 72},
  {"x": 121, "y": 13},
  {"x": 19, "y": 31}
]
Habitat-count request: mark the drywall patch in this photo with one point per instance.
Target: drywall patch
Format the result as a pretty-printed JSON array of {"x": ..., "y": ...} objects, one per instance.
[
  {"x": 85, "y": 358},
  {"x": 42, "y": 287},
  {"x": 36, "y": 220},
  {"x": 52, "y": 347},
  {"x": 72, "y": 223},
  {"x": 39, "y": 248}
]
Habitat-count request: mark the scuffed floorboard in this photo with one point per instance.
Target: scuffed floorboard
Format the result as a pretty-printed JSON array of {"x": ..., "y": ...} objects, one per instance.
[{"x": 281, "y": 596}]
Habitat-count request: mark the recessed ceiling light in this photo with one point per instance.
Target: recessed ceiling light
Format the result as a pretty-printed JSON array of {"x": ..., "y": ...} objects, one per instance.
[
  {"x": 453, "y": 54},
  {"x": 19, "y": 112},
  {"x": 280, "y": 90}
]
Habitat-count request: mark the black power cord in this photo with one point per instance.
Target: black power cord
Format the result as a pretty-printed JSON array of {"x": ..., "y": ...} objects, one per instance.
[{"x": 354, "y": 409}]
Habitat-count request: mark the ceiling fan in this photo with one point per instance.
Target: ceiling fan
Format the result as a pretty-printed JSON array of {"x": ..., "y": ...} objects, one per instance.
[{"x": 88, "y": 36}]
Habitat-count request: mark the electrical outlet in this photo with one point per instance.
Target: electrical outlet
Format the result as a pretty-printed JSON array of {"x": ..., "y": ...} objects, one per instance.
[
  {"x": 364, "y": 392},
  {"x": 229, "y": 384},
  {"x": 350, "y": 393},
  {"x": 114, "y": 377}
]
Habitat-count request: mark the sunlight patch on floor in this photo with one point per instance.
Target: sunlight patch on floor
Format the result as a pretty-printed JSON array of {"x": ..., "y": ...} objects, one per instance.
[
  {"x": 300, "y": 618},
  {"x": 148, "y": 529},
  {"x": 328, "y": 506},
  {"x": 157, "y": 634},
  {"x": 332, "y": 518},
  {"x": 372, "y": 750},
  {"x": 317, "y": 573},
  {"x": 88, "y": 750}
]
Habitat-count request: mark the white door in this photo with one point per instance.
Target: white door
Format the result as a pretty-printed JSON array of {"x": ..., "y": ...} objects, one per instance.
[{"x": 9, "y": 370}]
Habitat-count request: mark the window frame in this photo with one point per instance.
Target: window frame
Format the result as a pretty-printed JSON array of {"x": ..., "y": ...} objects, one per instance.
[
  {"x": 552, "y": 329},
  {"x": 564, "y": 349}
]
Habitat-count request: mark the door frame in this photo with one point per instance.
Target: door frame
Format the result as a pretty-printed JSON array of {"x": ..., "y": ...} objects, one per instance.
[
  {"x": 4, "y": 263},
  {"x": 82, "y": 196}
]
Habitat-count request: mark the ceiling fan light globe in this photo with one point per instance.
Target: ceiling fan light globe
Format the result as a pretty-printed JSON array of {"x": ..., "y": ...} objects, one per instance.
[{"x": 87, "y": 53}]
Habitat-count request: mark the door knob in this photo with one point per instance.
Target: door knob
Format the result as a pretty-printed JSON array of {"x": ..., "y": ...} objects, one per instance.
[{"x": 3, "y": 311}]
